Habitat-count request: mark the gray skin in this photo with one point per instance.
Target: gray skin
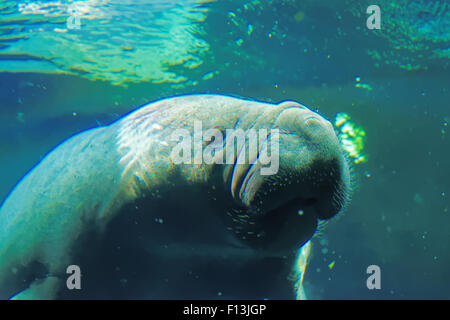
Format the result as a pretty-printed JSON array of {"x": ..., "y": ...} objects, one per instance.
[{"x": 112, "y": 201}]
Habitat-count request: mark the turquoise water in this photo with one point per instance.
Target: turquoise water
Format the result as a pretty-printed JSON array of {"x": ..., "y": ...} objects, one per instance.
[{"x": 58, "y": 78}]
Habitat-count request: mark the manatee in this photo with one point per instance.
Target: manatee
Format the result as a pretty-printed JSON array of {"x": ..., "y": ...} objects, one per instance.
[{"x": 117, "y": 202}]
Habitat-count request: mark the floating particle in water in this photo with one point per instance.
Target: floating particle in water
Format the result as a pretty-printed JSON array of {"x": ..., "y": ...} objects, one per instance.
[
  {"x": 418, "y": 198},
  {"x": 23, "y": 84},
  {"x": 331, "y": 265},
  {"x": 364, "y": 86},
  {"x": 299, "y": 16},
  {"x": 249, "y": 29},
  {"x": 208, "y": 76},
  {"x": 127, "y": 48},
  {"x": 20, "y": 117},
  {"x": 159, "y": 220},
  {"x": 324, "y": 250},
  {"x": 367, "y": 174},
  {"x": 300, "y": 212}
]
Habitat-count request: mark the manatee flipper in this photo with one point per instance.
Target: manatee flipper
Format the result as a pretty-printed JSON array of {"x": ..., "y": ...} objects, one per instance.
[
  {"x": 299, "y": 270},
  {"x": 42, "y": 219},
  {"x": 42, "y": 289}
]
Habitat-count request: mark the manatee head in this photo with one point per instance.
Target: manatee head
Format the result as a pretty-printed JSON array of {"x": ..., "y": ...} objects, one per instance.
[{"x": 280, "y": 210}]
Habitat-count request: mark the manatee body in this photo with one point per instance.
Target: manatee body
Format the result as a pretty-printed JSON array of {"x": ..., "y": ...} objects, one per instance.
[{"x": 113, "y": 201}]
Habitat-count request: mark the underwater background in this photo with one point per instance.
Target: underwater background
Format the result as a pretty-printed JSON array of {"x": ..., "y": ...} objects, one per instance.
[{"x": 67, "y": 66}]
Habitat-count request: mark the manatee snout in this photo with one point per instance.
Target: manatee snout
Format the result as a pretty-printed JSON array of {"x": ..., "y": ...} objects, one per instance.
[{"x": 312, "y": 183}]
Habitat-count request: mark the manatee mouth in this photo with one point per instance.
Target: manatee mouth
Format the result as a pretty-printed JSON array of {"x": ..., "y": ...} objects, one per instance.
[
  {"x": 291, "y": 224},
  {"x": 281, "y": 212},
  {"x": 285, "y": 227}
]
